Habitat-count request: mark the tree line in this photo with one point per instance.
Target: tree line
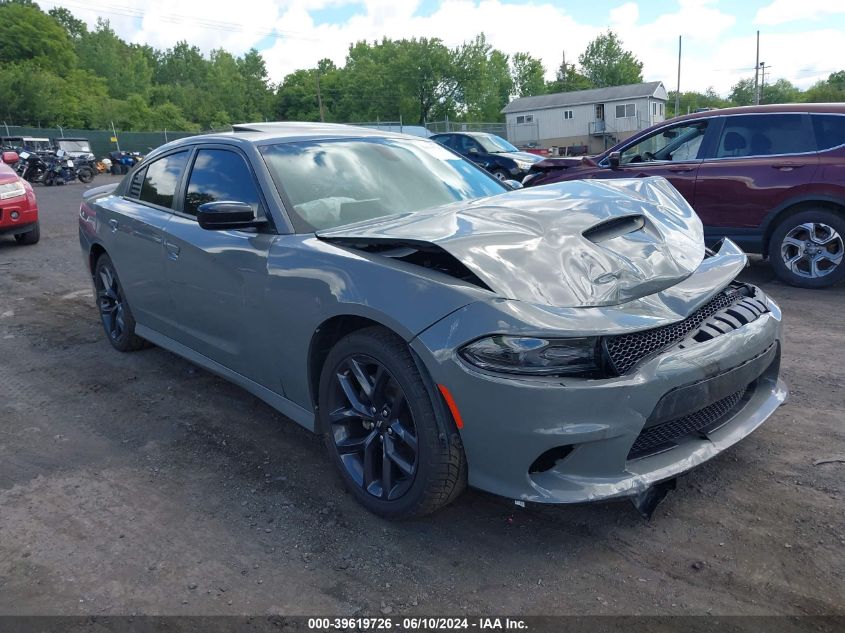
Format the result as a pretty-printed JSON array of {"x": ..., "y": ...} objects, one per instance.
[{"x": 55, "y": 71}]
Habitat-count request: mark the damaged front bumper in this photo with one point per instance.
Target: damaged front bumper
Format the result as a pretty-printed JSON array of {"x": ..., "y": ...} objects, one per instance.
[{"x": 571, "y": 440}]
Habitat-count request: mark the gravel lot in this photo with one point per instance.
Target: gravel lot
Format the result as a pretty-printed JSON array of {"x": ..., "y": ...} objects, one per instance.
[{"x": 138, "y": 483}]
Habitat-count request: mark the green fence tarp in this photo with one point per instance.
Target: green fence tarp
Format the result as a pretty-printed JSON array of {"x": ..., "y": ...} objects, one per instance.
[{"x": 101, "y": 143}]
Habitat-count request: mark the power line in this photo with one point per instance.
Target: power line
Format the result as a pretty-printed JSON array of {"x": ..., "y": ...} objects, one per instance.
[{"x": 176, "y": 18}]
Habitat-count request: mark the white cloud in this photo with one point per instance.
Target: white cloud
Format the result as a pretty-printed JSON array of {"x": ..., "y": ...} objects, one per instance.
[
  {"x": 785, "y": 11},
  {"x": 717, "y": 50}
]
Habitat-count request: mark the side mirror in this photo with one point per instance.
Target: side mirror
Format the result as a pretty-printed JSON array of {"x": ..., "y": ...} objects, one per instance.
[
  {"x": 10, "y": 158},
  {"x": 513, "y": 184},
  {"x": 220, "y": 216},
  {"x": 613, "y": 159}
]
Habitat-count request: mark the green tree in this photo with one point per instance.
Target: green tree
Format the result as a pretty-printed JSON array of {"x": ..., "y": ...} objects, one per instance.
[
  {"x": 829, "y": 90},
  {"x": 782, "y": 91},
  {"x": 74, "y": 27},
  {"x": 528, "y": 75},
  {"x": 742, "y": 92},
  {"x": 484, "y": 80},
  {"x": 692, "y": 101},
  {"x": 605, "y": 63},
  {"x": 568, "y": 79},
  {"x": 26, "y": 33},
  {"x": 125, "y": 68}
]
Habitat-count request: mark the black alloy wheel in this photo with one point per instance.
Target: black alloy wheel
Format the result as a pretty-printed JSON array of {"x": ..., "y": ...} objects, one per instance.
[
  {"x": 382, "y": 430},
  {"x": 372, "y": 428},
  {"x": 115, "y": 315}
]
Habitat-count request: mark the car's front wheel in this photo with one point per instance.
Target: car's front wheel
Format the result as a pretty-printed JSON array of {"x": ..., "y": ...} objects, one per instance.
[
  {"x": 806, "y": 249},
  {"x": 115, "y": 314},
  {"x": 500, "y": 174},
  {"x": 381, "y": 428}
]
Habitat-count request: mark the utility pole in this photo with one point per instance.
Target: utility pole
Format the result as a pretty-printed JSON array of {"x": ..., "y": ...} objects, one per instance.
[
  {"x": 762, "y": 81},
  {"x": 756, "y": 73},
  {"x": 319, "y": 97},
  {"x": 678, "y": 91},
  {"x": 565, "y": 82}
]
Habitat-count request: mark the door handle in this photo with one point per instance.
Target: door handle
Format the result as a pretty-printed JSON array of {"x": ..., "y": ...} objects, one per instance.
[
  {"x": 681, "y": 168},
  {"x": 787, "y": 166},
  {"x": 172, "y": 250},
  {"x": 113, "y": 224}
]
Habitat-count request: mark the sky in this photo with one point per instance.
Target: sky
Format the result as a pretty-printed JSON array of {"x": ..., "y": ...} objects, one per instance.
[{"x": 801, "y": 40}]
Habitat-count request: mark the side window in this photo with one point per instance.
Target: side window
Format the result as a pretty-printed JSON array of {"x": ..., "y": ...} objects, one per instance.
[
  {"x": 137, "y": 182},
  {"x": 162, "y": 178},
  {"x": 678, "y": 143},
  {"x": 218, "y": 175},
  {"x": 765, "y": 135},
  {"x": 829, "y": 129},
  {"x": 448, "y": 140}
]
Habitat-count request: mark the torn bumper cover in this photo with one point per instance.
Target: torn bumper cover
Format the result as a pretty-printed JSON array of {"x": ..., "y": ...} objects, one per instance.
[{"x": 570, "y": 440}]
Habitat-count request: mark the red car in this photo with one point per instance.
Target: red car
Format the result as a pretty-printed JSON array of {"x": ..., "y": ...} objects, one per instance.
[
  {"x": 771, "y": 178},
  {"x": 18, "y": 208}
]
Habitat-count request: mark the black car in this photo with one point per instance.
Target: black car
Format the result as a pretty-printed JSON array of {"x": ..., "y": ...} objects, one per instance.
[{"x": 491, "y": 152}]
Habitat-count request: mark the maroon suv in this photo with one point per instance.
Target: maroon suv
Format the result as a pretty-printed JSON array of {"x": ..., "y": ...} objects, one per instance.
[{"x": 771, "y": 178}]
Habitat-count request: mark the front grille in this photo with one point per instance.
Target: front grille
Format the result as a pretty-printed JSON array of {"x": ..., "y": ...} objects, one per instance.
[
  {"x": 729, "y": 310},
  {"x": 662, "y": 436}
]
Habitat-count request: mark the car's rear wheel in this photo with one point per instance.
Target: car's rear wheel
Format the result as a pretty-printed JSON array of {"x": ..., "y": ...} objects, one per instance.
[
  {"x": 30, "y": 237},
  {"x": 500, "y": 174},
  {"x": 806, "y": 249},
  {"x": 115, "y": 314},
  {"x": 381, "y": 428}
]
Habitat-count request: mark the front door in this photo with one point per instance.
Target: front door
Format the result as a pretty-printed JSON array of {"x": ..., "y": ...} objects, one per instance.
[
  {"x": 217, "y": 278},
  {"x": 673, "y": 152}
]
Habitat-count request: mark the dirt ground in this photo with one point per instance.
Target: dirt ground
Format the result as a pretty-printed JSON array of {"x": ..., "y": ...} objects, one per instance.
[{"x": 140, "y": 484}]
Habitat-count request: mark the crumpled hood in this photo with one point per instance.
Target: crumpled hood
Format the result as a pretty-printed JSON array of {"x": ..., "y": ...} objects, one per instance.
[{"x": 571, "y": 244}]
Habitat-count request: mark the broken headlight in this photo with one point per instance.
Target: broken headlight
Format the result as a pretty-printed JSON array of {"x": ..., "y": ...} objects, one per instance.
[{"x": 534, "y": 356}]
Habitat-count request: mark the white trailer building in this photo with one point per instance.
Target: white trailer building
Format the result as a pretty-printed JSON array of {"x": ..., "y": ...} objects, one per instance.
[{"x": 585, "y": 121}]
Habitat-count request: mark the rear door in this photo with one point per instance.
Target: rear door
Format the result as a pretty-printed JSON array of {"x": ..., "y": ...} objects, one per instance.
[
  {"x": 133, "y": 227},
  {"x": 217, "y": 278},
  {"x": 758, "y": 163},
  {"x": 673, "y": 152}
]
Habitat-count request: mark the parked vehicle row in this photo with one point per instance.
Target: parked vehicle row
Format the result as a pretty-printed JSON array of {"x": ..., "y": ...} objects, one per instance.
[
  {"x": 771, "y": 178},
  {"x": 558, "y": 344},
  {"x": 50, "y": 168}
]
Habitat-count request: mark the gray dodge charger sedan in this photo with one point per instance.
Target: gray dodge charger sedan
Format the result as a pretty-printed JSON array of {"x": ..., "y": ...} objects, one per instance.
[{"x": 560, "y": 344}]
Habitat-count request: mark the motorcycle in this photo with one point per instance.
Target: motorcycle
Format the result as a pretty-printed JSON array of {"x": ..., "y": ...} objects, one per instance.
[
  {"x": 60, "y": 169},
  {"x": 31, "y": 167}
]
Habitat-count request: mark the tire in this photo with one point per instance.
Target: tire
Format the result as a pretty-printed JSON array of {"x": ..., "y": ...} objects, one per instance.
[
  {"x": 115, "y": 314},
  {"x": 85, "y": 175},
  {"x": 806, "y": 249},
  {"x": 49, "y": 179},
  {"x": 500, "y": 174},
  {"x": 425, "y": 471},
  {"x": 30, "y": 237}
]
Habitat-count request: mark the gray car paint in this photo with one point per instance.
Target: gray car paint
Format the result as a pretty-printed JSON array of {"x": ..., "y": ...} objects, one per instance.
[
  {"x": 259, "y": 299},
  {"x": 530, "y": 244}
]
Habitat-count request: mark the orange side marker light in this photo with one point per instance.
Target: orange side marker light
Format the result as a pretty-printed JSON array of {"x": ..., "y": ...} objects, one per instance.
[{"x": 447, "y": 396}]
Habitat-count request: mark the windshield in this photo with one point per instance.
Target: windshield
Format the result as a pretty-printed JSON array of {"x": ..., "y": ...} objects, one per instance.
[
  {"x": 494, "y": 144},
  {"x": 74, "y": 146},
  {"x": 335, "y": 182}
]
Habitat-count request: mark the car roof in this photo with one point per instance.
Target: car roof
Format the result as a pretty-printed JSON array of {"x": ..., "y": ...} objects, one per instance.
[
  {"x": 284, "y": 132},
  {"x": 774, "y": 108}
]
